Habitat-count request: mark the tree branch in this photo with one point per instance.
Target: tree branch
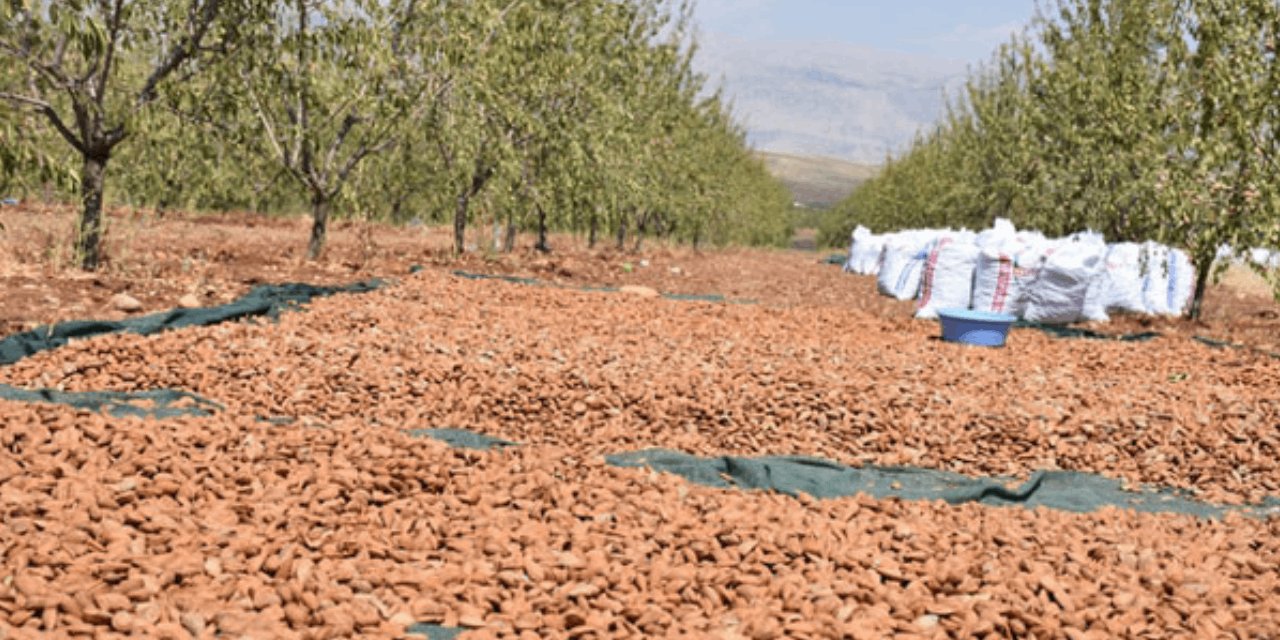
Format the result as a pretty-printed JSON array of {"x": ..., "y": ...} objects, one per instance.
[
  {"x": 113, "y": 28},
  {"x": 53, "y": 72},
  {"x": 26, "y": 100},
  {"x": 300, "y": 117},
  {"x": 343, "y": 131},
  {"x": 199, "y": 22},
  {"x": 59, "y": 54},
  {"x": 276, "y": 143},
  {"x": 48, "y": 111}
]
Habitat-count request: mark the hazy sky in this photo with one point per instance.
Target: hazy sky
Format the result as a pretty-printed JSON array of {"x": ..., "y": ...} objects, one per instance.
[{"x": 955, "y": 29}]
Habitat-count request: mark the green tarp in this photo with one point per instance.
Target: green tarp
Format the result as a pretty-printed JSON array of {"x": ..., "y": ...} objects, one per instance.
[
  {"x": 791, "y": 475},
  {"x": 1223, "y": 344},
  {"x": 263, "y": 301},
  {"x": 433, "y": 631},
  {"x": 489, "y": 276},
  {"x": 161, "y": 403},
  {"x": 461, "y": 438},
  {"x": 1063, "y": 331}
]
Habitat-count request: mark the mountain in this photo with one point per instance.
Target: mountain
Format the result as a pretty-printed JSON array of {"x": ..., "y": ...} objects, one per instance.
[
  {"x": 828, "y": 99},
  {"x": 814, "y": 181}
]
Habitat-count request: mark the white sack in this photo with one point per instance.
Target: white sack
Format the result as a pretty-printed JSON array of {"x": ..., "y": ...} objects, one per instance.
[
  {"x": 865, "y": 252},
  {"x": 1265, "y": 258},
  {"x": 1057, "y": 293},
  {"x": 947, "y": 279},
  {"x": 902, "y": 263},
  {"x": 1095, "y": 298},
  {"x": 1002, "y": 275},
  {"x": 1224, "y": 253},
  {"x": 1001, "y": 233},
  {"x": 1169, "y": 280},
  {"x": 900, "y": 269},
  {"x": 1124, "y": 268}
]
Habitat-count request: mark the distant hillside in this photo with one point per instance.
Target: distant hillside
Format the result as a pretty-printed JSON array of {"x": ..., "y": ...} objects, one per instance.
[
  {"x": 814, "y": 181},
  {"x": 823, "y": 99}
]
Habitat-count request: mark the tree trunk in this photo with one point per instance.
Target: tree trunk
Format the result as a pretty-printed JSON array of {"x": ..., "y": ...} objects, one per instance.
[
  {"x": 642, "y": 224},
  {"x": 509, "y": 242},
  {"x": 622, "y": 234},
  {"x": 594, "y": 233},
  {"x": 170, "y": 196},
  {"x": 1202, "y": 282},
  {"x": 479, "y": 176},
  {"x": 92, "y": 182},
  {"x": 460, "y": 223},
  {"x": 542, "y": 231},
  {"x": 320, "y": 206},
  {"x": 397, "y": 206}
]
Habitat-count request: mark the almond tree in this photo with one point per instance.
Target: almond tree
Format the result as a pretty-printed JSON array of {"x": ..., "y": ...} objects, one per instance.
[
  {"x": 327, "y": 84},
  {"x": 90, "y": 67},
  {"x": 1218, "y": 184}
]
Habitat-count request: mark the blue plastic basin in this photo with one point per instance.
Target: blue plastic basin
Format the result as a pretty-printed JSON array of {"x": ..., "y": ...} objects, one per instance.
[{"x": 975, "y": 327}]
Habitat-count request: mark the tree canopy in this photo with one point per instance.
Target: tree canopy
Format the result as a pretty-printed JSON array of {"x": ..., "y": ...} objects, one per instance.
[{"x": 527, "y": 115}]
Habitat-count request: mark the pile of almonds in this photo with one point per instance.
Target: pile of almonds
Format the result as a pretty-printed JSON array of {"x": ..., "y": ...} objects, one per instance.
[
  {"x": 605, "y": 373},
  {"x": 203, "y": 527},
  {"x": 338, "y": 524}
]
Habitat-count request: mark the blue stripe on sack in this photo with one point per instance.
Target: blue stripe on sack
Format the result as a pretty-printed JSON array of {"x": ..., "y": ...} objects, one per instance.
[
  {"x": 1146, "y": 278},
  {"x": 902, "y": 275},
  {"x": 902, "y": 279},
  {"x": 1173, "y": 280}
]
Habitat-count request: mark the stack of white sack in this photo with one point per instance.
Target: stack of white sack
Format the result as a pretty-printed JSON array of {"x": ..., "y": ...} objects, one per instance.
[
  {"x": 865, "y": 252},
  {"x": 1024, "y": 274}
]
